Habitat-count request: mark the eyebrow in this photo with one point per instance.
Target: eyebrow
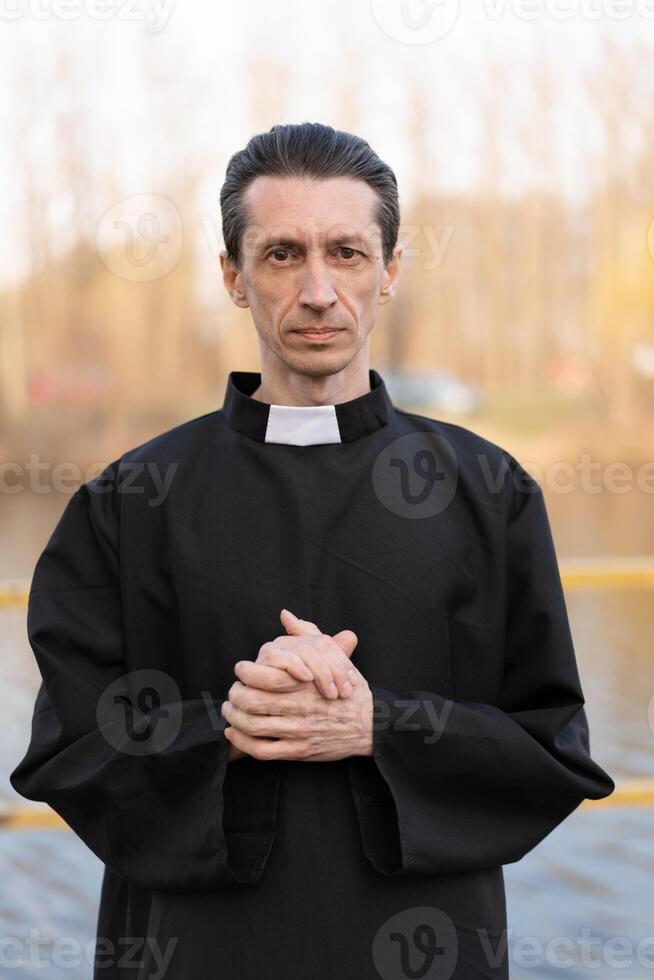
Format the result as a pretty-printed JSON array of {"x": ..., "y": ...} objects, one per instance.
[{"x": 286, "y": 242}]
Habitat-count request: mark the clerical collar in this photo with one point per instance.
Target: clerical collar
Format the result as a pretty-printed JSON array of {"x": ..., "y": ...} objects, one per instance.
[{"x": 304, "y": 425}]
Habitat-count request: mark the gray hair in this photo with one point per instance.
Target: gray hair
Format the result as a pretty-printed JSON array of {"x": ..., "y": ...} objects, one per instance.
[{"x": 307, "y": 150}]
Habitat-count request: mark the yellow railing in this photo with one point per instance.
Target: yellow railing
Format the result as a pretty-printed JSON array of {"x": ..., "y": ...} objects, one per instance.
[
  {"x": 627, "y": 572},
  {"x": 13, "y": 593},
  {"x": 606, "y": 572},
  {"x": 16, "y": 816}
]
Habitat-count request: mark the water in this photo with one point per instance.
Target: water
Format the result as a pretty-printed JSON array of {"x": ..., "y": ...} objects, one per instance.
[{"x": 589, "y": 881}]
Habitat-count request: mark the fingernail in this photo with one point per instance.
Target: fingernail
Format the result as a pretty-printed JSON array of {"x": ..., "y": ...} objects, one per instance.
[
  {"x": 307, "y": 673},
  {"x": 290, "y": 613},
  {"x": 347, "y": 689},
  {"x": 333, "y": 690}
]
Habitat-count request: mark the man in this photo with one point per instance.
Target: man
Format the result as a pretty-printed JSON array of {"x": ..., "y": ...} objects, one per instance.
[{"x": 308, "y": 678}]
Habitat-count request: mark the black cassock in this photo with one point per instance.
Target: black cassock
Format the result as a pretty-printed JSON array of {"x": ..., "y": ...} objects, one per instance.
[{"x": 434, "y": 546}]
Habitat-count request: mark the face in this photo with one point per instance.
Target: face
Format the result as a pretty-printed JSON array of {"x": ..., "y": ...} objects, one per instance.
[{"x": 312, "y": 260}]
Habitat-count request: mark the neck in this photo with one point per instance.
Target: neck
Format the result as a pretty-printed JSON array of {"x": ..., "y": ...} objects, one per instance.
[{"x": 283, "y": 385}]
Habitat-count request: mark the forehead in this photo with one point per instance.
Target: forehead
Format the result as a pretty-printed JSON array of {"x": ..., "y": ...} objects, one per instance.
[{"x": 302, "y": 208}]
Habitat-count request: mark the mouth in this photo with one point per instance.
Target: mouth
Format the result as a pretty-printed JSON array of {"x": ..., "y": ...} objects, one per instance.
[{"x": 319, "y": 333}]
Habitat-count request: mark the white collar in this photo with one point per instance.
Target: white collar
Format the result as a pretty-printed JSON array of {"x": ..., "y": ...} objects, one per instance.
[{"x": 302, "y": 425}]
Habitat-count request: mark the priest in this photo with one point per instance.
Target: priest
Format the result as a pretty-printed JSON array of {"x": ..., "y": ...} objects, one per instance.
[{"x": 308, "y": 680}]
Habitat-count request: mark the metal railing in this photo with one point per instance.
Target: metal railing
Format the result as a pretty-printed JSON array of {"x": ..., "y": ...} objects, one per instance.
[
  {"x": 38, "y": 816},
  {"x": 619, "y": 572},
  {"x": 605, "y": 572}
]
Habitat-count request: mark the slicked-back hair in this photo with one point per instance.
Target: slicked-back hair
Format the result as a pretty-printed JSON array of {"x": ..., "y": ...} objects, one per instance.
[{"x": 310, "y": 150}]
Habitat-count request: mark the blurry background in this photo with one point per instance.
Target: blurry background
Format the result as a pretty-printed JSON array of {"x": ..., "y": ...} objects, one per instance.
[{"x": 522, "y": 136}]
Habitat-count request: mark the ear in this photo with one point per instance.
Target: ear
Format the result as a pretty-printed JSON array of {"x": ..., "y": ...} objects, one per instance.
[
  {"x": 233, "y": 280},
  {"x": 391, "y": 276}
]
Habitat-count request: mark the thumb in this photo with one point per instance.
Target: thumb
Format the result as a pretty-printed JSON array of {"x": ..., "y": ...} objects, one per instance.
[
  {"x": 347, "y": 641},
  {"x": 295, "y": 626}
]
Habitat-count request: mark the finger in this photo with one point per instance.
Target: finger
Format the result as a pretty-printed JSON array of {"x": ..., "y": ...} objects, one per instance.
[
  {"x": 344, "y": 674},
  {"x": 296, "y": 626},
  {"x": 267, "y": 678},
  {"x": 264, "y": 748},
  {"x": 329, "y": 676},
  {"x": 346, "y": 639},
  {"x": 326, "y": 660},
  {"x": 261, "y": 726},
  {"x": 320, "y": 667},
  {"x": 346, "y": 642},
  {"x": 285, "y": 659},
  {"x": 256, "y": 701},
  {"x": 333, "y": 668}
]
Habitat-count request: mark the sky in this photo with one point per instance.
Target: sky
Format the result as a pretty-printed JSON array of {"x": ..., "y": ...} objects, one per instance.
[{"x": 217, "y": 58}]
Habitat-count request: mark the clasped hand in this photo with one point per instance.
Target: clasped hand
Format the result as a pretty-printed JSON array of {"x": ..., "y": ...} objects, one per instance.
[{"x": 301, "y": 699}]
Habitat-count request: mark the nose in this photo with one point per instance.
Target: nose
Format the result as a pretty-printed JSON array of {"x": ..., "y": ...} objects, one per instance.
[{"x": 316, "y": 290}]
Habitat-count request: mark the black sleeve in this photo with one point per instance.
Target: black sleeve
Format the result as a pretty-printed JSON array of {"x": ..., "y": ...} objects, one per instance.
[
  {"x": 456, "y": 785},
  {"x": 170, "y": 814}
]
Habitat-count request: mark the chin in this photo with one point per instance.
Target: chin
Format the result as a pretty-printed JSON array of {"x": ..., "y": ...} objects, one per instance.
[{"x": 317, "y": 364}]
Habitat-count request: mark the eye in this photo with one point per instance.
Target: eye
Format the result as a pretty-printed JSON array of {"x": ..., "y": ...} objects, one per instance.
[
  {"x": 346, "y": 248},
  {"x": 280, "y": 251}
]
